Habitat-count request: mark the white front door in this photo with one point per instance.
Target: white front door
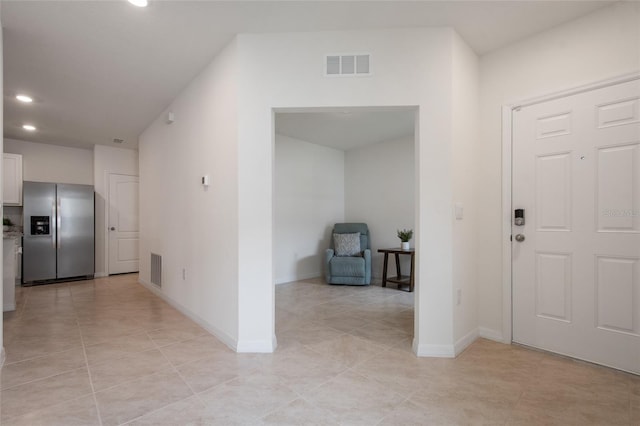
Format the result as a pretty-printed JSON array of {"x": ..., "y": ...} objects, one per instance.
[
  {"x": 576, "y": 275},
  {"x": 123, "y": 224}
]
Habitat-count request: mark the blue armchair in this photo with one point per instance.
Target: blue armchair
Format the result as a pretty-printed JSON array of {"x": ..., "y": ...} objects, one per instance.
[{"x": 351, "y": 270}]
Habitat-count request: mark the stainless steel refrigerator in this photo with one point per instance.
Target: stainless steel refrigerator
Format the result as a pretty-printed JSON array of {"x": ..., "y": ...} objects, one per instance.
[{"x": 58, "y": 242}]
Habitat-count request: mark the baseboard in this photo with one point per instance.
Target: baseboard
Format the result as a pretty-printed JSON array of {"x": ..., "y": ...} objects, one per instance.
[
  {"x": 257, "y": 346},
  {"x": 376, "y": 281},
  {"x": 220, "y": 335},
  {"x": 100, "y": 275},
  {"x": 10, "y": 307},
  {"x": 465, "y": 341},
  {"x": 3, "y": 356},
  {"x": 433, "y": 351},
  {"x": 291, "y": 279},
  {"x": 446, "y": 351},
  {"x": 488, "y": 333}
]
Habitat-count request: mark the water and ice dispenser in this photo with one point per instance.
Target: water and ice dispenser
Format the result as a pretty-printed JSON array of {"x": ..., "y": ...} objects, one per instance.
[{"x": 40, "y": 225}]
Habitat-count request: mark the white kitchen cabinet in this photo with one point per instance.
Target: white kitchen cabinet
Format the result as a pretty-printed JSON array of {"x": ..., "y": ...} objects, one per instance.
[{"x": 12, "y": 180}]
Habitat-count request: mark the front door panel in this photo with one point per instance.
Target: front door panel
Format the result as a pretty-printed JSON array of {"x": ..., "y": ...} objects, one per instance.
[{"x": 576, "y": 275}]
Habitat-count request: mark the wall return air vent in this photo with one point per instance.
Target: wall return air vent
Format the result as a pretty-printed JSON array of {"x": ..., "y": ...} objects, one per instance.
[
  {"x": 156, "y": 269},
  {"x": 348, "y": 65}
]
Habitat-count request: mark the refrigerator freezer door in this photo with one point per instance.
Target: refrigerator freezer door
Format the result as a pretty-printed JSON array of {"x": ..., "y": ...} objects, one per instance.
[
  {"x": 39, "y": 241},
  {"x": 75, "y": 230}
]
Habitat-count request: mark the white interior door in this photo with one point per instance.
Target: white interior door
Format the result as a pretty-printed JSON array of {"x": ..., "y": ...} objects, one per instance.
[
  {"x": 576, "y": 276},
  {"x": 123, "y": 224}
]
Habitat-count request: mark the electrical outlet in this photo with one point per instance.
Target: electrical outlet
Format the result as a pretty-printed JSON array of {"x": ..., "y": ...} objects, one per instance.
[
  {"x": 459, "y": 298},
  {"x": 184, "y": 274}
]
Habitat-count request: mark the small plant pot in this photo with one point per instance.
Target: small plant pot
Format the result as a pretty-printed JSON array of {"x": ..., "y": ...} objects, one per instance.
[{"x": 405, "y": 245}]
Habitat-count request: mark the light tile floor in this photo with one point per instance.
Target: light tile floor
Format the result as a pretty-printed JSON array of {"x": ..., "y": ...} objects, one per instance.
[{"x": 109, "y": 352}]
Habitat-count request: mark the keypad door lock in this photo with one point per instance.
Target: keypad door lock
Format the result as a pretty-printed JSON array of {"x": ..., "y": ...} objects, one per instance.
[{"x": 518, "y": 217}]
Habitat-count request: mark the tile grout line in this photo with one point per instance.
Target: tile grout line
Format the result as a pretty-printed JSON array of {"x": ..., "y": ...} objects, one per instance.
[
  {"x": 50, "y": 376},
  {"x": 283, "y": 405},
  {"x": 406, "y": 399},
  {"x": 86, "y": 360},
  {"x": 195, "y": 394},
  {"x": 47, "y": 407},
  {"x": 59, "y": 373},
  {"x": 129, "y": 380},
  {"x": 175, "y": 369},
  {"x": 155, "y": 411},
  {"x": 40, "y": 356},
  {"x": 308, "y": 390},
  {"x": 351, "y": 368}
]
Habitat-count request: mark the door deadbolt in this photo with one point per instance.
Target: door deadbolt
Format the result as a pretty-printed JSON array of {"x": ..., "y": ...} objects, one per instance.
[{"x": 520, "y": 238}]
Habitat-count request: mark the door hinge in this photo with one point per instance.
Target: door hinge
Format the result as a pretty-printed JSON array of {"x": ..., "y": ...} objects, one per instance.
[{"x": 511, "y": 237}]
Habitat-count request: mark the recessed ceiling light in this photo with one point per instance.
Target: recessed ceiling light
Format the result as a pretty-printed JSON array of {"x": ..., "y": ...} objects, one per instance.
[
  {"x": 139, "y": 3},
  {"x": 29, "y": 127},
  {"x": 24, "y": 98}
]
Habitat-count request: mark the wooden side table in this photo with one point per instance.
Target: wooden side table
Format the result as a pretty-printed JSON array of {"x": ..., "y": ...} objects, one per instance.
[{"x": 401, "y": 280}]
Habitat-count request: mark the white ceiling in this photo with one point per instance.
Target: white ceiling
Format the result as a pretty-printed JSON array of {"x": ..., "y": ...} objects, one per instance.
[
  {"x": 104, "y": 69},
  {"x": 347, "y": 128}
]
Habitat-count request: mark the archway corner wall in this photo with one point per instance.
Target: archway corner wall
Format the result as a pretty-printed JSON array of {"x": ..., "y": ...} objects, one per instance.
[
  {"x": 410, "y": 68},
  {"x": 224, "y": 127}
]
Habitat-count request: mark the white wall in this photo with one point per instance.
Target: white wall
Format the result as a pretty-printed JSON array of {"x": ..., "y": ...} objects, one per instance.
[
  {"x": 309, "y": 189},
  {"x": 107, "y": 160},
  {"x": 2, "y": 352},
  {"x": 410, "y": 67},
  {"x": 380, "y": 191},
  {"x": 52, "y": 163},
  {"x": 465, "y": 142},
  {"x": 190, "y": 226},
  {"x": 224, "y": 127},
  {"x": 317, "y": 186},
  {"x": 598, "y": 46}
]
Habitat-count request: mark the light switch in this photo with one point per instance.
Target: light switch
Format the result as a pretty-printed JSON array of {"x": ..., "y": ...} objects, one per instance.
[{"x": 459, "y": 208}]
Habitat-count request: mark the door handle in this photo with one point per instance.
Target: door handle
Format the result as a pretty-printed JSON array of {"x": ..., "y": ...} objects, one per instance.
[
  {"x": 58, "y": 220},
  {"x": 113, "y": 228},
  {"x": 520, "y": 238},
  {"x": 53, "y": 229}
]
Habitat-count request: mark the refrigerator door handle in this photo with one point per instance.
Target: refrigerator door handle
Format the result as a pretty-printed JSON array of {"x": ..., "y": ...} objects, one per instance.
[
  {"x": 53, "y": 229},
  {"x": 58, "y": 220}
]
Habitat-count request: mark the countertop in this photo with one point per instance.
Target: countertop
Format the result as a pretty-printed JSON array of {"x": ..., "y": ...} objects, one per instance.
[{"x": 11, "y": 235}]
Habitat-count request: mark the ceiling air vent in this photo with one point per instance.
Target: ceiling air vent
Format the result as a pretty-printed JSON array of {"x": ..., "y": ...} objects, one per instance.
[{"x": 348, "y": 65}]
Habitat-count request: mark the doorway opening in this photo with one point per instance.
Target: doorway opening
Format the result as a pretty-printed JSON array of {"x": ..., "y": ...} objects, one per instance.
[{"x": 342, "y": 165}]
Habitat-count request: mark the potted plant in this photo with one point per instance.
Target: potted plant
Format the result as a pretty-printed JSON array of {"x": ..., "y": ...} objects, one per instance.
[
  {"x": 6, "y": 223},
  {"x": 405, "y": 235}
]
